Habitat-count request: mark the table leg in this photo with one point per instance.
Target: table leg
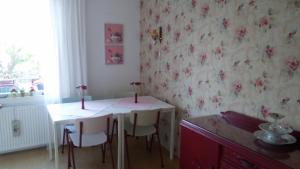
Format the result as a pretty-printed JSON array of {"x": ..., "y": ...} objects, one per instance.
[
  {"x": 172, "y": 134},
  {"x": 50, "y": 138},
  {"x": 120, "y": 142},
  {"x": 123, "y": 145},
  {"x": 55, "y": 141}
]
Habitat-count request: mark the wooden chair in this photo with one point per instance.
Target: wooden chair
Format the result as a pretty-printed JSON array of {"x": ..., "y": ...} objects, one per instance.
[
  {"x": 115, "y": 119},
  {"x": 143, "y": 124},
  {"x": 70, "y": 128},
  {"x": 92, "y": 131}
]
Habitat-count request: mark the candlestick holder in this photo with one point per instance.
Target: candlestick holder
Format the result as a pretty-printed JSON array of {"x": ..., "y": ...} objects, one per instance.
[
  {"x": 82, "y": 88},
  {"x": 135, "y": 84}
]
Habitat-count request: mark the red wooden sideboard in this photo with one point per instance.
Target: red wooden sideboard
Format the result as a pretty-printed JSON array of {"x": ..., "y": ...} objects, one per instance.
[{"x": 226, "y": 141}]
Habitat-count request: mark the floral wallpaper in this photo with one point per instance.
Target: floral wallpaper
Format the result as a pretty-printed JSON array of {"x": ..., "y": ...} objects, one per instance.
[{"x": 219, "y": 55}]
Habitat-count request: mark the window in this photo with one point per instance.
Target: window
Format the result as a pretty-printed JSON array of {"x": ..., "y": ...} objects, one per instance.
[{"x": 25, "y": 42}]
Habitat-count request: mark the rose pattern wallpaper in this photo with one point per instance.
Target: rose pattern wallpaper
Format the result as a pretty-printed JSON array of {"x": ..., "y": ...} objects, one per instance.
[{"x": 219, "y": 55}]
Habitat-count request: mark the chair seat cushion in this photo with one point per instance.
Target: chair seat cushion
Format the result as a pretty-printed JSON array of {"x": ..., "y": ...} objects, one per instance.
[
  {"x": 139, "y": 130},
  {"x": 89, "y": 140},
  {"x": 70, "y": 127}
]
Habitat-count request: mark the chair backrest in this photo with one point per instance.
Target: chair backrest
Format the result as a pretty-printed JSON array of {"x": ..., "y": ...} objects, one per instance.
[
  {"x": 144, "y": 117},
  {"x": 75, "y": 99},
  {"x": 93, "y": 125}
]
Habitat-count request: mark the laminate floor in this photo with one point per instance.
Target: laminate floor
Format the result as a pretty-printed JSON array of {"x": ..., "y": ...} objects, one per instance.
[{"x": 89, "y": 158}]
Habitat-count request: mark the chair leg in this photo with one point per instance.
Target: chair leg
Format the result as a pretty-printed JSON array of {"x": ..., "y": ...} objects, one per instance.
[
  {"x": 115, "y": 124},
  {"x": 160, "y": 152},
  {"x": 127, "y": 151},
  {"x": 72, "y": 152},
  {"x": 103, "y": 147},
  {"x": 63, "y": 143},
  {"x": 112, "y": 156},
  {"x": 69, "y": 155},
  {"x": 147, "y": 144},
  {"x": 151, "y": 142}
]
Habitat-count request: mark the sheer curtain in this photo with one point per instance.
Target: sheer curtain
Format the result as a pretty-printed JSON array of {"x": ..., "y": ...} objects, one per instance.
[{"x": 68, "y": 19}]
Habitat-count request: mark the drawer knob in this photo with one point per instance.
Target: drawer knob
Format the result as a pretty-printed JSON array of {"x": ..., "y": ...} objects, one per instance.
[{"x": 247, "y": 164}]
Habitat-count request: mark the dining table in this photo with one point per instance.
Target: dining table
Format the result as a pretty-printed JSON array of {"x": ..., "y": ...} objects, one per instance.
[{"x": 66, "y": 113}]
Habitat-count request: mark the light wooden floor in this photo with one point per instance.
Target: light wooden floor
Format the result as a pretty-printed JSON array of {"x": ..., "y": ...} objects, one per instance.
[{"x": 89, "y": 158}]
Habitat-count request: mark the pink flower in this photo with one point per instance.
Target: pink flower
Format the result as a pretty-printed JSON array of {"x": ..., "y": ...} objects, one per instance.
[
  {"x": 265, "y": 111},
  {"x": 221, "y": 1},
  {"x": 194, "y": 3},
  {"x": 149, "y": 80},
  {"x": 164, "y": 85},
  {"x": 203, "y": 58},
  {"x": 247, "y": 62},
  {"x": 292, "y": 34},
  {"x": 200, "y": 102},
  {"x": 166, "y": 10},
  {"x": 237, "y": 87},
  {"x": 168, "y": 66},
  {"x": 225, "y": 23},
  {"x": 205, "y": 9},
  {"x": 188, "y": 28},
  {"x": 284, "y": 100},
  {"x": 192, "y": 48},
  {"x": 259, "y": 83},
  {"x": 190, "y": 90},
  {"x": 187, "y": 71},
  {"x": 269, "y": 51},
  {"x": 156, "y": 87},
  {"x": 175, "y": 75},
  {"x": 264, "y": 22},
  {"x": 222, "y": 75},
  {"x": 166, "y": 48},
  {"x": 241, "y": 32},
  {"x": 216, "y": 100},
  {"x": 157, "y": 18},
  {"x": 218, "y": 51},
  {"x": 293, "y": 64},
  {"x": 177, "y": 36},
  {"x": 148, "y": 65}
]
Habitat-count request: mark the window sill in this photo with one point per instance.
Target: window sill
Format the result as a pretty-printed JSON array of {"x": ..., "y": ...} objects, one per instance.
[{"x": 20, "y": 101}]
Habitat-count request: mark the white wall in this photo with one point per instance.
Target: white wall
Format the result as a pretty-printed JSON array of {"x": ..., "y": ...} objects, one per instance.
[{"x": 106, "y": 80}]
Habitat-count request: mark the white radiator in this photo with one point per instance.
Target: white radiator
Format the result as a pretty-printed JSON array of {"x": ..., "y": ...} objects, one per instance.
[{"x": 30, "y": 123}]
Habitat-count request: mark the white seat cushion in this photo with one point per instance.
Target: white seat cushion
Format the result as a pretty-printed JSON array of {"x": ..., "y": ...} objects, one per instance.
[
  {"x": 89, "y": 140},
  {"x": 139, "y": 130},
  {"x": 71, "y": 128}
]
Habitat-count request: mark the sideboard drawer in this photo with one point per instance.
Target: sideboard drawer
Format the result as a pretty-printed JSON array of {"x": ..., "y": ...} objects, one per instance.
[
  {"x": 197, "y": 151},
  {"x": 241, "y": 161},
  {"x": 227, "y": 165}
]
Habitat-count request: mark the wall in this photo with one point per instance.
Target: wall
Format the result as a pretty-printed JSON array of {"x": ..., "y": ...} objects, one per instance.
[
  {"x": 106, "y": 80},
  {"x": 223, "y": 55}
]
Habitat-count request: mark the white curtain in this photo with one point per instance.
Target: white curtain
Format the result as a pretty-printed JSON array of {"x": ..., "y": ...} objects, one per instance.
[{"x": 68, "y": 18}]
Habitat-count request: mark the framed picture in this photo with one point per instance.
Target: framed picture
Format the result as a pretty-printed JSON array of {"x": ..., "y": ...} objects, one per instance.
[
  {"x": 113, "y": 34},
  {"x": 114, "y": 55}
]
